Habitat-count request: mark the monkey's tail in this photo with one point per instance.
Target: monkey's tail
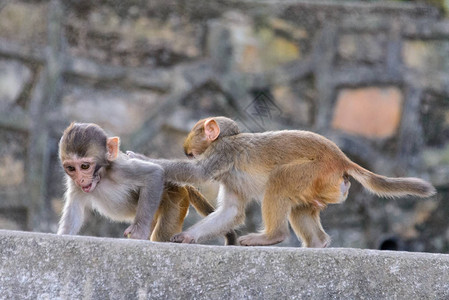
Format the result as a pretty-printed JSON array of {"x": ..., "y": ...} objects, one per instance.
[
  {"x": 204, "y": 208},
  {"x": 390, "y": 187}
]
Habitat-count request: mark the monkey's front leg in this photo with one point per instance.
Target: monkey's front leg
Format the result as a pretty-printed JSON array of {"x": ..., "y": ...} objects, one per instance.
[
  {"x": 230, "y": 214},
  {"x": 72, "y": 215},
  {"x": 149, "y": 198}
]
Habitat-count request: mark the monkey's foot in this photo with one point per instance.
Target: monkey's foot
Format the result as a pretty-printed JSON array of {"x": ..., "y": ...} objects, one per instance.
[
  {"x": 136, "y": 232},
  {"x": 184, "y": 238},
  {"x": 260, "y": 239},
  {"x": 323, "y": 242}
]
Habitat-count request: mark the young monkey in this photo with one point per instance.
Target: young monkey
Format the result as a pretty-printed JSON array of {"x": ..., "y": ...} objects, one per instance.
[
  {"x": 101, "y": 177},
  {"x": 295, "y": 173}
]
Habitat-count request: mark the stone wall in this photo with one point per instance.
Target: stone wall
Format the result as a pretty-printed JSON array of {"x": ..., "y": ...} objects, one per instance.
[
  {"x": 372, "y": 77},
  {"x": 44, "y": 266}
]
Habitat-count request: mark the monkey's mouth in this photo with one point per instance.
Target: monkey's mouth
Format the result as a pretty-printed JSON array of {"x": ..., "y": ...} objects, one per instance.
[{"x": 89, "y": 188}]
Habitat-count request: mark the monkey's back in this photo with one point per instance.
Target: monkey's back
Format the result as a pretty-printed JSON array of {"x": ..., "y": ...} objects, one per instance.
[{"x": 283, "y": 147}]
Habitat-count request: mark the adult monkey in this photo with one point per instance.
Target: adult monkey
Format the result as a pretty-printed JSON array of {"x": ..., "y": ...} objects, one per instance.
[
  {"x": 124, "y": 189},
  {"x": 295, "y": 173}
]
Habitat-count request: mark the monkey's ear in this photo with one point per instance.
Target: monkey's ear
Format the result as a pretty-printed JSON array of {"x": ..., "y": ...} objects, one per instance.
[
  {"x": 113, "y": 145},
  {"x": 211, "y": 129}
]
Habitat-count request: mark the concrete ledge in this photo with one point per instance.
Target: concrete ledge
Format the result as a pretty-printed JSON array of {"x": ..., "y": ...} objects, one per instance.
[{"x": 46, "y": 266}]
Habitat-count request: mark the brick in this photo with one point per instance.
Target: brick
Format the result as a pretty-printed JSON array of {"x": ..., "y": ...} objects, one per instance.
[{"x": 372, "y": 112}]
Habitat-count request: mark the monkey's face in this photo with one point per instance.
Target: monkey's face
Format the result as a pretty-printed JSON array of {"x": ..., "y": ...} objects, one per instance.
[
  {"x": 83, "y": 150},
  {"x": 82, "y": 171},
  {"x": 196, "y": 142}
]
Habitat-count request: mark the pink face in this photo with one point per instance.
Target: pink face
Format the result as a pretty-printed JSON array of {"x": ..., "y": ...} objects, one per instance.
[{"x": 81, "y": 171}]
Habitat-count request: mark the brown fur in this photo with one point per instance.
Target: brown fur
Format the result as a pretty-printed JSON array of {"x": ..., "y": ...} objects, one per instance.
[
  {"x": 294, "y": 173},
  {"x": 390, "y": 187},
  {"x": 173, "y": 209}
]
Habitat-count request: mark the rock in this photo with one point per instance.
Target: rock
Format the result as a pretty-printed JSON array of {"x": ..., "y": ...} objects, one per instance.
[
  {"x": 434, "y": 117},
  {"x": 275, "y": 49},
  {"x": 24, "y": 22},
  {"x": 14, "y": 76},
  {"x": 364, "y": 47},
  {"x": 119, "y": 112},
  {"x": 436, "y": 161},
  {"x": 11, "y": 171},
  {"x": 296, "y": 102},
  {"x": 12, "y": 162},
  {"x": 426, "y": 56},
  {"x": 252, "y": 49},
  {"x": 13, "y": 218},
  {"x": 133, "y": 38}
]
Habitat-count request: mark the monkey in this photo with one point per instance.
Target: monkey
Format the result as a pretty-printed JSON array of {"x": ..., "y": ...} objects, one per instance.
[
  {"x": 101, "y": 177},
  {"x": 294, "y": 173}
]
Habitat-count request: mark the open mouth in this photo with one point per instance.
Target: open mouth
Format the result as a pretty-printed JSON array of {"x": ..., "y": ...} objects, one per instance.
[{"x": 87, "y": 188}]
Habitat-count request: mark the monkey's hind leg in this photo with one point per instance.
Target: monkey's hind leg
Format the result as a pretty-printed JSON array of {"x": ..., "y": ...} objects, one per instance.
[
  {"x": 306, "y": 224},
  {"x": 284, "y": 184},
  {"x": 172, "y": 212},
  {"x": 275, "y": 210}
]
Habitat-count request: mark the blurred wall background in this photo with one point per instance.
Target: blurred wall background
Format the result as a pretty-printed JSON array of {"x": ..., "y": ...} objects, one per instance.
[{"x": 373, "y": 77}]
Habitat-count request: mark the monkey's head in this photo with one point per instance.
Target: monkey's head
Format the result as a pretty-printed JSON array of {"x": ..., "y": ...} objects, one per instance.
[
  {"x": 205, "y": 132},
  {"x": 83, "y": 150}
]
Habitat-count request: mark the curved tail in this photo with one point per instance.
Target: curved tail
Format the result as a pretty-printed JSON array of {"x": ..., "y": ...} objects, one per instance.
[
  {"x": 201, "y": 205},
  {"x": 390, "y": 187}
]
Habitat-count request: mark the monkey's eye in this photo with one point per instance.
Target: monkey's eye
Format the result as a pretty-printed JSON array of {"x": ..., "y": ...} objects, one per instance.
[
  {"x": 85, "y": 166},
  {"x": 70, "y": 168}
]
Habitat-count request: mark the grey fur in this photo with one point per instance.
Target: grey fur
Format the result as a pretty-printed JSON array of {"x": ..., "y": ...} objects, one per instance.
[{"x": 124, "y": 182}]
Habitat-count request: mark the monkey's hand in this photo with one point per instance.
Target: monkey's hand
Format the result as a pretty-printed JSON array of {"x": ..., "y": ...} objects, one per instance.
[
  {"x": 131, "y": 154},
  {"x": 184, "y": 238},
  {"x": 134, "y": 231}
]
